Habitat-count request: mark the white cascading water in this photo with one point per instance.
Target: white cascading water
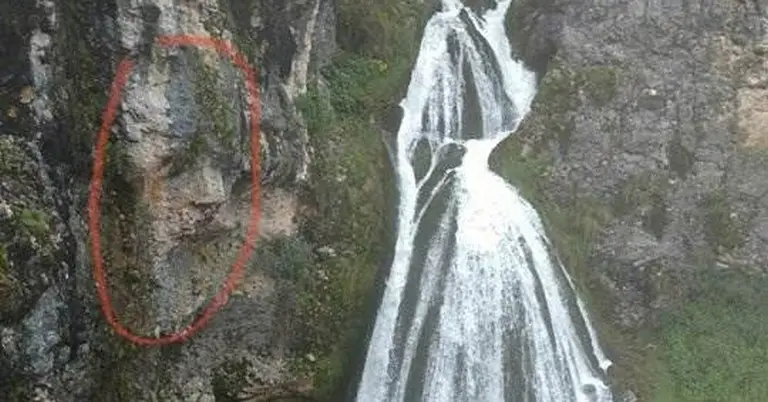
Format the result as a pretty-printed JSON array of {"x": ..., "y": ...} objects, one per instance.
[{"x": 476, "y": 308}]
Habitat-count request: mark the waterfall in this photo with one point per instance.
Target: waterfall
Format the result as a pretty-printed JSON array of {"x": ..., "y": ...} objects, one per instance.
[{"x": 476, "y": 308}]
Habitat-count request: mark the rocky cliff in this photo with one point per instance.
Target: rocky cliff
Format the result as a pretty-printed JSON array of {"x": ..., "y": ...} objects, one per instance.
[
  {"x": 645, "y": 150},
  {"x": 176, "y": 199}
]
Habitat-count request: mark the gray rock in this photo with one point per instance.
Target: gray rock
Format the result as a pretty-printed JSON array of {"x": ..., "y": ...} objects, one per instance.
[
  {"x": 651, "y": 111},
  {"x": 169, "y": 237}
]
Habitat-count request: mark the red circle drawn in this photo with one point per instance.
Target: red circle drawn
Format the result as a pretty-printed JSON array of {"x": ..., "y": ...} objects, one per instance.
[{"x": 94, "y": 206}]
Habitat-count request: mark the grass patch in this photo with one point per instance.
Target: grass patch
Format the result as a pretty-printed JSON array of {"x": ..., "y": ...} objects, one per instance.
[
  {"x": 7, "y": 280},
  {"x": 26, "y": 253},
  {"x": 3, "y": 263},
  {"x": 382, "y": 29},
  {"x": 600, "y": 83},
  {"x": 33, "y": 223},
  {"x": 716, "y": 346}
]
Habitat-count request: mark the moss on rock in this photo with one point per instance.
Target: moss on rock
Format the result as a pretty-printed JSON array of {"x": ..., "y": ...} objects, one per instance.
[
  {"x": 27, "y": 244},
  {"x": 216, "y": 131},
  {"x": 722, "y": 230},
  {"x": 600, "y": 83},
  {"x": 82, "y": 80},
  {"x": 642, "y": 197},
  {"x": 562, "y": 92}
]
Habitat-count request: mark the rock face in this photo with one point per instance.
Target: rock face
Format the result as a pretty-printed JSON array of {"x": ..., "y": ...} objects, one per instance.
[
  {"x": 653, "y": 114},
  {"x": 664, "y": 120},
  {"x": 176, "y": 191}
]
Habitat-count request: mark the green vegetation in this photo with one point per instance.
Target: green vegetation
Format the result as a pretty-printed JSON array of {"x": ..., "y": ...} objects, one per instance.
[
  {"x": 216, "y": 109},
  {"x": 600, "y": 83},
  {"x": 721, "y": 230},
  {"x": 384, "y": 29},
  {"x": 26, "y": 245},
  {"x": 642, "y": 196},
  {"x": 351, "y": 179},
  {"x": 33, "y": 223},
  {"x": 6, "y": 277},
  {"x": 349, "y": 192},
  {"x": 3, "y": 263},
  {"x": 562, "y": 92},
  {"x": 288, "y": 258},
  {"x": 26, "y": 232},
  {"x": 559, "y": 99},
  {"x": 716, "y": 345}
]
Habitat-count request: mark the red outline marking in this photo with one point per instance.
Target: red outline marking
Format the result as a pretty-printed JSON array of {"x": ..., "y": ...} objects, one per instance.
[{"x": 94, "y": 205}]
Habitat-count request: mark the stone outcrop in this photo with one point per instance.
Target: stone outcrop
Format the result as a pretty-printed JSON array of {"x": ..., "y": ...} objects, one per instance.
[{"x": 176, "y": 191}]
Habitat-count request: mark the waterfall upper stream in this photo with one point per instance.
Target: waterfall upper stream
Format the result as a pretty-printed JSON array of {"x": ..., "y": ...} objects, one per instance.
[{"x": 476, "y": 306}]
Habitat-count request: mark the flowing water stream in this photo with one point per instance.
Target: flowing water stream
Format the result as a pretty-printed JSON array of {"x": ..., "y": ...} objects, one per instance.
[{"x": 476, "y": 307}]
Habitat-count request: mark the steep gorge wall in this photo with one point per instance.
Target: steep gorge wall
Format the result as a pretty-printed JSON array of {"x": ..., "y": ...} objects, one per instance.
[{"x": 173, "y": 199}]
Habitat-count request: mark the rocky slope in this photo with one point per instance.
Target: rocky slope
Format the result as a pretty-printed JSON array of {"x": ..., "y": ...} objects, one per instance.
[
  {"x": 176, "y": 189},
  {"x": 646, "y": 152}
]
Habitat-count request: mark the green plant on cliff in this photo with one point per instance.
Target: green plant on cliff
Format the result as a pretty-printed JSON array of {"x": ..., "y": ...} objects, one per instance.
[
  {"x": 716, "y": 345},
  {"x": 379, "y": 41},
  {"x": 721, "y": 230},
  {"x": 349, "y": 194},
  {"x": 383, "y": 29},
  {"x": 5, "y": 276},
  {"x": 32, "y": 223}
]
